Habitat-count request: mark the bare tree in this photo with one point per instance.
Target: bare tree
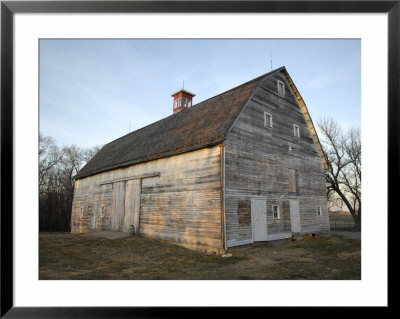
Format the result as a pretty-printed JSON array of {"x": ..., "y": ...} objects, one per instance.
[
  {"x": 89, "y": 153},
  {"x": 72, "y": 161},
  {"x": 49, "y": 156},
  {"x": 334, "y": 201},
  {"x": 343, "y": 153}
]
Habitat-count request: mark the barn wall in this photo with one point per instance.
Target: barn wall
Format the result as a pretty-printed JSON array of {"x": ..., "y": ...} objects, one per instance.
[
  {"x": 258, "y": 163},
  {"x": 182, "y": 204}
]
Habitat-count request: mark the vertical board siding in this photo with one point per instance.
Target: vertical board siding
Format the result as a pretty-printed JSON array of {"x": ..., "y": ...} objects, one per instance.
[
  {"x": 118, "y": 206},
  {"x": 132, "y": 204},
  {"x": 100, "y": 203},
  {"x": 182, "y": 204},
  {"x": 259, "y": 161}
]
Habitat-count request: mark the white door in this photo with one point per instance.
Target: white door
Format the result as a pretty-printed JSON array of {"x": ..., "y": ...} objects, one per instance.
[
  {"x": 259, "y": 219},
  {"x": 295, "y": 215}
]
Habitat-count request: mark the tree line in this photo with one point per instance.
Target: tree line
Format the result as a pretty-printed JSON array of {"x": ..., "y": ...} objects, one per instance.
[{"x": 57, "y": 168}]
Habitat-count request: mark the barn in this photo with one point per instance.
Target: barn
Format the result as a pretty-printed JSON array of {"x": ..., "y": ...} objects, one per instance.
[{"x": 243, "y": 166}]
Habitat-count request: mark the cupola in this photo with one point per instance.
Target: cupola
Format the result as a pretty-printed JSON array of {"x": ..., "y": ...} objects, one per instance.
[{"x": 182, "y": 100}]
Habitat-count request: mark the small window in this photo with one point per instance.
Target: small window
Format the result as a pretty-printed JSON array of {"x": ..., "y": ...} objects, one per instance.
[
  {"x": 179, "y": 101},
  {"x": 189, "y": 103},
  {"x": 267, "y": 119},
  {"x": 296, "y": 130},
  {"x": 281, "y": 88},
  {"x": 318, "y": 211},
  {"x": 184, "y": 101},
  {"x": 176, "y": 103},
  {"x": 275, "y": 211}
]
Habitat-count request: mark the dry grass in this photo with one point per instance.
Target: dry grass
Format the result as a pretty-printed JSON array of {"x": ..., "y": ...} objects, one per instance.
[{"x": 75, "y": 256}]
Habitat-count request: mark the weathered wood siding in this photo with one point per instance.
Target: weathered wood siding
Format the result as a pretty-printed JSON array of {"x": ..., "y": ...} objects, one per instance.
[
  {"x": 271, "y": 163},
  {"x": 181, "y": 204}
]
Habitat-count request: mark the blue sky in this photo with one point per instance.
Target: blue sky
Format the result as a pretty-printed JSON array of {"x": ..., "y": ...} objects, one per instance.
[{"x": 94, "y": 91}]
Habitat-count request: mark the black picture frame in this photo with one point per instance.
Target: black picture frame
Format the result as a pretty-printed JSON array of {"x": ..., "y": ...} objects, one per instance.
[{"x": 9, "y": 8}]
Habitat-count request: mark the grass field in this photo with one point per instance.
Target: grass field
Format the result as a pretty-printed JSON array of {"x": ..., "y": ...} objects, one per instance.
[{"x": 76, "y": 256}]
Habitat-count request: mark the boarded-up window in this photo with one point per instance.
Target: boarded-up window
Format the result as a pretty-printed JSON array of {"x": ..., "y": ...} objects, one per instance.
[{"x": 292, "y": 180}]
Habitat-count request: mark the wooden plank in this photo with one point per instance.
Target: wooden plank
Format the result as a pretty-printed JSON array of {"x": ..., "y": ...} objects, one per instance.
[
  {"x": 132, "y": 204},
  {"x": 292, "y": 180},
  {"x": 118, "y": 206},
  {"x": 129, "y": 205}
]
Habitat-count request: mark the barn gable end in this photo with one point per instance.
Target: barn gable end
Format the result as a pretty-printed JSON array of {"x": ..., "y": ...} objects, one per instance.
[{"x": 264, "y": 160}]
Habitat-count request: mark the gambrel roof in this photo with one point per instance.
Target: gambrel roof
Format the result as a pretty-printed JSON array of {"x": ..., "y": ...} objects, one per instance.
[{"x": 202, "y": 125}]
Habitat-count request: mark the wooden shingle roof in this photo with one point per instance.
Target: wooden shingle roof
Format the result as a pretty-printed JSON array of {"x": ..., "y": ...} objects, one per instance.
[{"x": 202, "y": 125}]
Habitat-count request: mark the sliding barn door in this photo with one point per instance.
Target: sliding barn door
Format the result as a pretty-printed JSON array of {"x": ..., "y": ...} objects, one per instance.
[
  {"x": 117, "y": 206},
  {"x": 132, "y": 204}
]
